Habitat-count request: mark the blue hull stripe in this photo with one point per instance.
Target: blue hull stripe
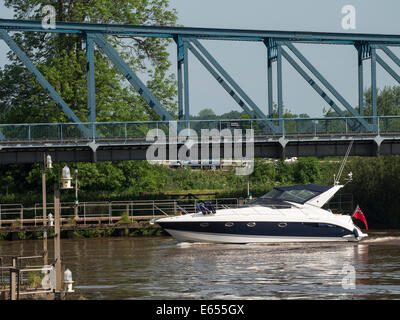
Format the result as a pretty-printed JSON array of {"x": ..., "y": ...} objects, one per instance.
[{"x": 278, "y": 229}]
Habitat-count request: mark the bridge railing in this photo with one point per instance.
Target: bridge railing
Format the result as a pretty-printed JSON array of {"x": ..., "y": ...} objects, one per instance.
[{"x": 72, "y": 132}]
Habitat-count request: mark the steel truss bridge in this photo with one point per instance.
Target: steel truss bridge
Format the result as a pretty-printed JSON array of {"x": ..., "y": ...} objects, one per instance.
[{"x": 274, "y": 137}]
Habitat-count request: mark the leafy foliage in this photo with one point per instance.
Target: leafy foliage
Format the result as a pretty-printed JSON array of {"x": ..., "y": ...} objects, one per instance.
[
  {"x": 307, "y": 170},
  {"x": 61, "y": 58}
]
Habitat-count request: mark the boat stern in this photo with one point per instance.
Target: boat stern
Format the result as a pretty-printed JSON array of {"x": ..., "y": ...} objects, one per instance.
[{"x": 358, "y": 234}]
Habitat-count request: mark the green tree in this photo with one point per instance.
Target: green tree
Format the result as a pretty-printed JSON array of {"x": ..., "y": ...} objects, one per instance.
[
  {"x": 6, "y": 180},
  {"x": 307, "y": 170},
  {"x": 207, "y": 114},
  {"x": 388, "y": 104},
  {"x": 263, "y": 173},
  {"x": 284, "y": 172},
  {"x": 62, "y": 60},
  {"x": 388, "y": 101}
]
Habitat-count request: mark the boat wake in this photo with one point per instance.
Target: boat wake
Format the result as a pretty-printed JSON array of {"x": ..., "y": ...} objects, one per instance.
[
  {"x": 382, "y": 239},
  {"x": 191, "y": 244}
]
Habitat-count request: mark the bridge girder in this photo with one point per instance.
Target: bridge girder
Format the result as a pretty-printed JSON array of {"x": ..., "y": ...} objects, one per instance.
[{"x": 187, "y": 39}]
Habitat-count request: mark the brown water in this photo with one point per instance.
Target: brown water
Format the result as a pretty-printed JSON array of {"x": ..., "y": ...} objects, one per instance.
[{"x": 159, "y": 268}]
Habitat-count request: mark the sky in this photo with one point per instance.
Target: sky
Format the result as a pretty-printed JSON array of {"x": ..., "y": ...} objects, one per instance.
[{"x": 246, "y": 61}]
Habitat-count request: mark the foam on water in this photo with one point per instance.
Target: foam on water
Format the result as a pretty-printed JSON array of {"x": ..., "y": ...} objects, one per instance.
[
  {"x": 381, "y": 239},
  {"x": 191, "y": 244}
]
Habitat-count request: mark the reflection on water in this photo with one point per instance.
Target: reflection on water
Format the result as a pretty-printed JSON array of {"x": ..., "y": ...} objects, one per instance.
[{"x": 159, "y": 268}]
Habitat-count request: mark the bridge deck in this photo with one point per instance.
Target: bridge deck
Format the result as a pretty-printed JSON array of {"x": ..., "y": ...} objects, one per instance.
[{"x": 116, "y": 141}]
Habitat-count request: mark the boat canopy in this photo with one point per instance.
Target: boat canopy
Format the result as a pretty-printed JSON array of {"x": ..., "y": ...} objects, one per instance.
[{"x": 297, "y": 194}]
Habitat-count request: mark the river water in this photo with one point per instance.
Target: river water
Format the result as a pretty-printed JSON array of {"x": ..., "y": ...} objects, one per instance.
[{"x": 160, "y": 268}]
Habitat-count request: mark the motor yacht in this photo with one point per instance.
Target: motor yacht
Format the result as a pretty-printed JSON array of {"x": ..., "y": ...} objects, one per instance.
[{"x": 285, "y": 214}]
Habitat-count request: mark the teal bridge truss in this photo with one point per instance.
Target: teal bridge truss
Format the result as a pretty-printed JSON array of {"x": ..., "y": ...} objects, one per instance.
[{"x": 276, "y": 137}]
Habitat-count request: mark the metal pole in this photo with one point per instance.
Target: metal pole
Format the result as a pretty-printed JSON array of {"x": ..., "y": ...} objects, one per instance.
[
  {"x": 57, "y": 245},
  {"x": 44, "y": 205},
  {"x": 248, "y": 186},
  {"x": 21, "y": 215},
  {"x": 13, "y": 280},
  {"x": 76, "y": 194},
  {"x": 18, "y": 283},
  {"x": 109, "y": 212}
]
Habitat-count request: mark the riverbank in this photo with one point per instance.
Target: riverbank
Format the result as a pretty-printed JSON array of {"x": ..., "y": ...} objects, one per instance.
[{"x": 91, "y": 231}]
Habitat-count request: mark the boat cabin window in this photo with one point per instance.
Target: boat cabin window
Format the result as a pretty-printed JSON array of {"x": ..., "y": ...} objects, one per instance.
[
  {"x": 280, "y": 196},
  {"x": 272, "y": 194},
  {"x": 293, "y": 195},
  {"x": 297, "y": 195}
]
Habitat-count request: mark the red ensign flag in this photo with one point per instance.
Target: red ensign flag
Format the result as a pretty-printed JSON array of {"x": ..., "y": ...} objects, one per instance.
[{"x": 360, "y": 216}]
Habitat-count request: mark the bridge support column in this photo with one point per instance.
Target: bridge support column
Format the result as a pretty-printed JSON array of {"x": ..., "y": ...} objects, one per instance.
[
  {"x": 360, "y": 83},
  {"x": 180, "y": 62},
  {"x": 269, "y": 76},
  {"x": 377, "y": 146},
  {"x": 373, "y": 85},
  {"x": 283, "y": 142},
  {"x": 279, "y": 84},
  {"x": 186, "y": 82},
  {"x": 90, "y": 82}
]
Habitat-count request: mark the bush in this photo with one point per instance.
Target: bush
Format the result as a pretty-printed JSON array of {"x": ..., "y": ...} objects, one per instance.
[
  {"x": 124, "y": 219},
  {"x": 307, "y": 170}
]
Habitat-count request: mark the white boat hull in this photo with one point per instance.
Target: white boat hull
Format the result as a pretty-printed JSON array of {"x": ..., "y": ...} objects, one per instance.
[
  {"x": 187, "y": 236},
  {"x": 268, "y": 219}
]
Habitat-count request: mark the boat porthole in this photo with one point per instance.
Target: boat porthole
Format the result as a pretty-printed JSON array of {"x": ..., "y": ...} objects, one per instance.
[
  {"x": 204, "y": 224},
  {"x": 229, "y": 224},
  {"x": 251, "y": 224},
  {"x": 282, "y": 224}
]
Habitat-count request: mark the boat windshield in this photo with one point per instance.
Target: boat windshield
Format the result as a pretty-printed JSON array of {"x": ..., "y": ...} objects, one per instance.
[{"x": 299, "y": 194}]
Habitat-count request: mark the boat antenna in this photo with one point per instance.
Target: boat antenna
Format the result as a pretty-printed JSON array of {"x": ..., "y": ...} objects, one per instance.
[{"x": 336, "y": 179}]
